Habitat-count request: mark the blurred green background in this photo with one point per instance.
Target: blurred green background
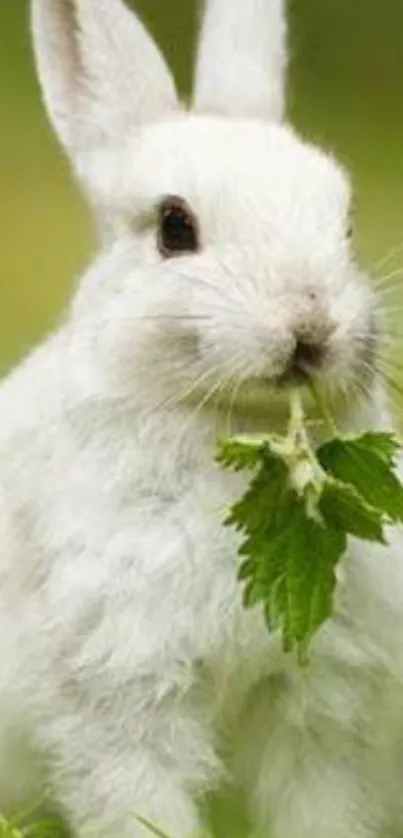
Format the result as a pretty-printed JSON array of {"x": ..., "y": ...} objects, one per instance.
[{"x": 346, "y": 91}]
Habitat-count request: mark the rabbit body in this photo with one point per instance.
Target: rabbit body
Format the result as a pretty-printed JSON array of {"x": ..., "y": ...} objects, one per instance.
[
  {"x": 127, "y": 662},
  {"x": 126, "y": 654}
]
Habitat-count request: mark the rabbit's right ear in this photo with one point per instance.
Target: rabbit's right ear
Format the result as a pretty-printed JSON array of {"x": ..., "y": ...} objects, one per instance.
[
  {"x": 242, "y": 60},
  {"x": 101, "y": 73}
]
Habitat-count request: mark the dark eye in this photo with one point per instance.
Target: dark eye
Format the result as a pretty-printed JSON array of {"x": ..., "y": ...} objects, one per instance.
[{"x": 177, "y": 228}]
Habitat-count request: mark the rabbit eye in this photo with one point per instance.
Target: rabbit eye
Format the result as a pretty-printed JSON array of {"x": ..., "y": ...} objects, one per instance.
[{"x": 177, "y": 228}]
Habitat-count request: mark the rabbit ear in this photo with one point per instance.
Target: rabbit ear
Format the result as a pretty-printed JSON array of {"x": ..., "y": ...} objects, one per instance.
[
  {"x": 242, "y": 59},
  {"x": 100, "y": 72}
]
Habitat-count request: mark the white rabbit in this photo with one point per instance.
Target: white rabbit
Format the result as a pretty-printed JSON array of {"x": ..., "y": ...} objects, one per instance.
[{"x": 225, "y": 270}]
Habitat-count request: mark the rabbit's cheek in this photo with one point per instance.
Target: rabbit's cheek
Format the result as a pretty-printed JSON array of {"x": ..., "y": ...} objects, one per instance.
[
  {"x": 352, "y": 353},
  {"x": 187, "y": 345}
]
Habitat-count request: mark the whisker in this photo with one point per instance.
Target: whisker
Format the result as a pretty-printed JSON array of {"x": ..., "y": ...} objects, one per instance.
[
  {"x": 235, "y": 392},
  {"x": 196, "y": 412},
  {"x": 383, "y": 280},
  {"x": 395, "y": 368},
  {"x": 216, "y": 287},
  {"x": 391, "y": 383},
  {"x": 392, "y": 253},
  {"x": 174, "y": 317},
  {"x": 390, "y": 297},
  {"x": 196, "y": 384},
  {"x": 393, "y": 372},
  {"x": 181, "y": 395},
  {"x": 387, "y": 294},
  {"x": 362, "y": 388}
]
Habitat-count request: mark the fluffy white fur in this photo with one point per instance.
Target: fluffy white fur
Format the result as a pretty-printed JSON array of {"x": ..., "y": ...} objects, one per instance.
[
  {"x": 125, "y": 654},
  {"x": 227, "y": 80},
  {"x": 83, "y": 48}
]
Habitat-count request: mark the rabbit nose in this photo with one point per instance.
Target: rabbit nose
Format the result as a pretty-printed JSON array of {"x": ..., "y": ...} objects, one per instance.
[
  {"x": 307, "y": 357},
  {"x": 311, "y": 336}
]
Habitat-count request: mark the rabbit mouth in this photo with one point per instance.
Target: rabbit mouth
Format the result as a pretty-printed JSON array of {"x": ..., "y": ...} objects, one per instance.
[
  {"x": 262, "y": 405},
  {"x": 293, "y": 379},
  {"x": 340, "y": 376},
  {"x": 265, "y": 396}
]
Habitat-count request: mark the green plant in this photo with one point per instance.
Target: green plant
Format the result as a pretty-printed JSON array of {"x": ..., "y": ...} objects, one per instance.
[{"x": 298, "y": 512}]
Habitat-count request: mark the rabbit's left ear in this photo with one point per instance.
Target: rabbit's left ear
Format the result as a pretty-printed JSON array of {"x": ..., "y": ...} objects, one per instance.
[
  {"x": 100, "y": 71},
  {"x": 241, "y": 64}
]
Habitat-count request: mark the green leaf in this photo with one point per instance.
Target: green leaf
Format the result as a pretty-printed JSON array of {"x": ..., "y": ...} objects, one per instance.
[
  {"x": 264, "y": 505},
  {"x": 246, "y": 570},
  {"x": 239, "y": 453},
  {"x": 303, "y": 599},
  {"x": 359, "y": 463},
  {"x": 296, "y": 516},
  {"x": 314, "y": 555},
  {"x": 292, "y": 574},
  {"x": 345, "y": 510},
  {"x": 385, "y": 445},
  {"x": 253, "y": 593}
]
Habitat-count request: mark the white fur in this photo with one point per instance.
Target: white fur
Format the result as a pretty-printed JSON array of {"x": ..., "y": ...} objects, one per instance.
[
  {"x": 125, "y": 653},
  {"x": 100, "y": 71},
  {"x": 242, "y": 59}
]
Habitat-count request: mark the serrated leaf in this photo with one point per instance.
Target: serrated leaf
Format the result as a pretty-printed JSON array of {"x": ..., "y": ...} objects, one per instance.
[
  {"x": 253, "y": 593},
  {"x": 239, "y": 453},
  {"x": 386, "y": 445},
  {"x": 262, "y": 506},
  {"x": 357, "y": 462},
  {"x": 293, "y": 574},
  {"x": 246, "y": 570},
  {"x": 297, "y": 513},
  {"x": 305, "y": 596},
  {"x": 345, "y": 510}
]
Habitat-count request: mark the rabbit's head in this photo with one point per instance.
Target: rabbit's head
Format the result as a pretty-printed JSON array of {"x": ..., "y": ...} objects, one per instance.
[{"x": 226, "y": 261}]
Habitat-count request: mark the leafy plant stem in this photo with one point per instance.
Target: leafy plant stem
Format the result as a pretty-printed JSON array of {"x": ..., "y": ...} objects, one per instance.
[{"x": 323, "y": 408}]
